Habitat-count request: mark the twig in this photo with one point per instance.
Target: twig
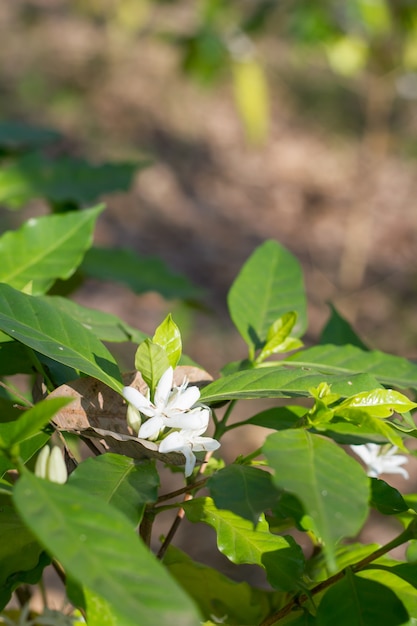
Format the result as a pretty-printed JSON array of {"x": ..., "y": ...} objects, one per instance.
[{"x": 180, "y": 515}]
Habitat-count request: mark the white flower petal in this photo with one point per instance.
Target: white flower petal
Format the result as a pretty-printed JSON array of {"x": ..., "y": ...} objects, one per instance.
[
  {"x": 172, "y": 442},
  {"x": 163, "y": 388},
  {"x": 136, "y": 399},
  {"x": 191, "y": 420},
  {"x": 205, "y": 444},
  {"x": 184, "y": 400},
  {"x": 151, "y": 427}
]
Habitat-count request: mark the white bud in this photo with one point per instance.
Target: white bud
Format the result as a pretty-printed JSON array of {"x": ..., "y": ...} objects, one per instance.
[
  {"x": 50, "y": 464},
  {"x": 134, "y": 419}
]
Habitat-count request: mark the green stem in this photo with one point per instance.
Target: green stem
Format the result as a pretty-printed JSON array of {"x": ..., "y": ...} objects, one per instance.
[
  {"x": 40, "y": 369},
  {"x": 221, "y": 425},
  {"x": 406, "y": 535}
]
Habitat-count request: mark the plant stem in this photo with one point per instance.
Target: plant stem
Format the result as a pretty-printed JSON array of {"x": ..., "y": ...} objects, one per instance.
[
  {"x": 179, "y": 492},
  {"x": 180, "y": 515},
  {"x": 297, "y": 600}
]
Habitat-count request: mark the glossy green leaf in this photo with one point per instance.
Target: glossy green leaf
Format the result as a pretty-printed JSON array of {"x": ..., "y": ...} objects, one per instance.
[
  {"x": 373, "y": 425},
  {"x": 151, "y": 361},
  {"x": 314, "y": 469},
  {"x": 339, "y": 332},
  {"x": 378, "y": 402},
  {"x": 168, "y": 336},
  {"x": 19, "y": 550},
  {"x": 246, "y": 491},
  {"x": 355, "y": 600},
  {"x": 385, "y": 368},
  {"x": 269, "y": 284},
  {"x": 31, "y": 421},
  {"x": 63, "y": 180},
  {"x": 105, "y": 326},
  {"x": 217, "y": 595},
  {"x": 37, "y": 324},
  {"x": 281, "y": 557},
  {"x": 140, "y": 274},
  {"x": 403, "y": 588},
  {"x": 98, "y": 548},
  {"x": 46, "y": 248},
  {"x": 386, "y": 499},
  {"x": 124, "y": 483},
  {"x": 280, "y": 382},
  {"x": 99, "y": 611}
]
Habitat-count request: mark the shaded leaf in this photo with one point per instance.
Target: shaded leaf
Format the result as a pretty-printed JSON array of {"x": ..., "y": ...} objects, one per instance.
[
  {"x": 246, "y": 491},
  {"x": 339, "y": 332},
  {"x": 278, "y": 418},
  {"x": 37, "y": 324},
  {"x": 355, "y": 600},
  {"x": 386, "y": 499},
  {"x": 18, "y": 137},
  {"x": 46, "y": 248},
  {"x": 122, "y": 482},
  {"x": 217, "y": 595},
  {"x": 281, "y": 557},
  {"x": 140, "y": 274},
  {"x": 269, "y": 284},
  {"x": 64, "y": 180},
  {"x": 314, "y": 469},
  {"x": 98, "y": 548}
]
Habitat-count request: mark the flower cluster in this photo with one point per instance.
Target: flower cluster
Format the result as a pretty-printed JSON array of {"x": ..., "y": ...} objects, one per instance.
[
  {"x": 172, "y": 420},
  {"x": 381, "y": 459}
]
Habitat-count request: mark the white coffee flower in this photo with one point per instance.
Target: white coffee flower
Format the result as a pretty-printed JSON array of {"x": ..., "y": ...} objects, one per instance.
[
  {"x": 187, "y": 442},
  {"x": 381, "y": 459},
  {"x": 171, "y": 407},
  {"x": 50, "y": 464}
]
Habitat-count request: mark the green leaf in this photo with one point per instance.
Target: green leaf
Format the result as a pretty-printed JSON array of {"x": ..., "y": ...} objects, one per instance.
[
  {"x": 355, "y": 600},
  {"x": 168, "y": 336},
  {"x": 398, "y": 584},
  {"x": 314, "y": 469},
  {"x": 37, "y": 324},
  {"x": 269, "y": 284},
  {"x": 385, "y": 368},
  {"x": 378, "y": 402},
  {"x": 62, "y": 180},
  {"x": 339, "y": 332},
  {"x": 217, "y": 595},
  {"x": 99, "y": 611},
  {"x": 19, "y": 550},
  {"x": 386, "y": 499},
  {"x": 140, "y": 274},
  {"x": 31, "y": 421},
  {"x": 105, "y": 326},
  {"x": 14, "y": 358},
  {"x": 124, "y": 483},
  {"x": 18, "y": 137},
  {"x": 46, "y": 248},
  {"x": 151, "y": 361},
  {"x": 98, "y": 548},
  {"x": 280, "y": 382},
  {"x": 246, "y": 491},
  {"x": 278, "y": 339},
  {"x": 281, "y": 557},
  {"x": 278, "y": 418},
  {"x": 372, "y": 425}
]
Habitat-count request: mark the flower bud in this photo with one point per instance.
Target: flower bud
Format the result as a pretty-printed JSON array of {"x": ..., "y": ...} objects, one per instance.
[
  {"x": 50, "y": 464},
  {"x": 134, "y": 419}
]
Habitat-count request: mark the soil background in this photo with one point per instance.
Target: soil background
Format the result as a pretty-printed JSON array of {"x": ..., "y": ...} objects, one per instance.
[{"x": 321, "y": 184}]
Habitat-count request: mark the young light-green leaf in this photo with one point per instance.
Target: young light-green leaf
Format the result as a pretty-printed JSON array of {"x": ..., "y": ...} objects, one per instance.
[
  {"x": 168, "y": 336},
  {"x": 314, "y": 469},
  {"x": 269, "y": 284},
  {"x": 378, "y": 402},
  {"x": 281, "y": 557},
  {"x": 278, "y": 338},
  {"x": 46, "y": 248},
  {"x": 99, "y": 549},
  {"x": 151, "y": 361},
  {"x": 39, "y": 325}
]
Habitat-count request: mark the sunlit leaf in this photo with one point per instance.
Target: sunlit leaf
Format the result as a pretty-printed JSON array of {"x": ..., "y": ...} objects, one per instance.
[
  {"x": 168, "y": 336},
  {"x": 37, "y": 324},
  {"x": 269, "y": 284},
  {"x": 252, "y": 98},
  {"x": 281, "y": 557},
  {"x": 97, "y": 547},
  {"x": 151, "y": 361},
  {"x": 46, "y": 248},
  {"x": 314, "y": 469}
]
